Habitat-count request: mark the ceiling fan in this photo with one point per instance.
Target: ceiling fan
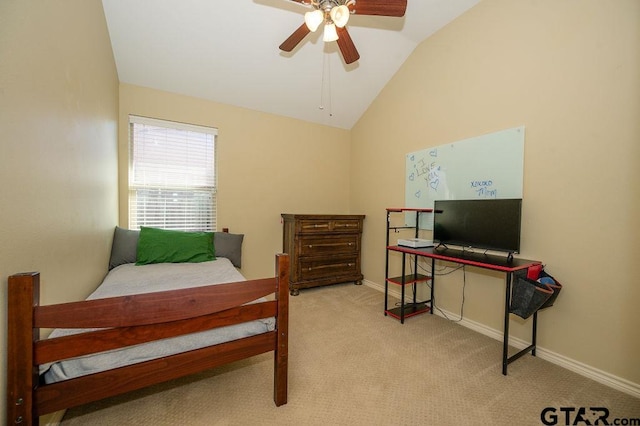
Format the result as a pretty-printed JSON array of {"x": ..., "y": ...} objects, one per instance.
[{"x": 335, "y": 15}]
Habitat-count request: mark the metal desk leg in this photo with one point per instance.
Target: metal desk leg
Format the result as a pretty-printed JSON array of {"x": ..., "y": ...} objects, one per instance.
[
  {"x": 386, "y": 296},
  {"x": 505, "y": 337},
  {"x": 534, "y": 330},
  {"x": 402, "y": 290},
  {"x": 386, "y": 271},
  {"x": 433, "y": 285}
]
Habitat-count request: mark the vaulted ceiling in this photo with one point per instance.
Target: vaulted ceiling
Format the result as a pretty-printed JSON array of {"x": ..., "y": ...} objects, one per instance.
[{"x": 227, "y": 51}]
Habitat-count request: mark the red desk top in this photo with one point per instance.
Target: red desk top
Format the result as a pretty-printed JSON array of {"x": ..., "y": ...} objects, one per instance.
[{"x": 473, "y": 258}]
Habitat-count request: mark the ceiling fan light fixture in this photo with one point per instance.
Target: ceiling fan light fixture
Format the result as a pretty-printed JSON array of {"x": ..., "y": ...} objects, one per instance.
[
  {"x": 340, "y": 15},
  {"x": 330, "y": 33},
  {"x": 313, "y": 19},
  {"x": 336, "y": 14}
]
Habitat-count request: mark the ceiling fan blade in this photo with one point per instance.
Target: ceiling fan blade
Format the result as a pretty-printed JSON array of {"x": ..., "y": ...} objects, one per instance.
[
  {"x": 289, "y": 44},
  {"x": 380, "y": 7},
  {"x": 347, "y": 48}
]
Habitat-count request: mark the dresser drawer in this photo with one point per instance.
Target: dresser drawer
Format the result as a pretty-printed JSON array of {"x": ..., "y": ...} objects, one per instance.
[
  {"x": 313, "y": 226},
  {"x": 322, "y": 226},
  {"x": 313, "y": 246},
  {"x": 311, "y": 268},
  {"x": 346, "y": 225}
]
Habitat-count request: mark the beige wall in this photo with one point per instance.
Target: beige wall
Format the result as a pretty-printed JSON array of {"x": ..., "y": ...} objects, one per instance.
[
  {"x": 568, "y": 71},
  {"x": 58, "y": 149},
  {"x": 267, "y": 165}
]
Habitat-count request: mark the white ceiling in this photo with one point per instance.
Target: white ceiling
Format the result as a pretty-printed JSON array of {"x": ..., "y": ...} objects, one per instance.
[{"x": 227, "y": 51}]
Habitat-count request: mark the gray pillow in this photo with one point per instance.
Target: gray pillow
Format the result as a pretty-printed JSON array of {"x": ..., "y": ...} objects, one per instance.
[
  {"x": 229, "y": 246},
  {"x": 124, "y": 248}
]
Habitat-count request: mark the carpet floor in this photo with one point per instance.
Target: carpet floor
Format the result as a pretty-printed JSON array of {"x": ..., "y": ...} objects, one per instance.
[{"x": 349, "y": 364}]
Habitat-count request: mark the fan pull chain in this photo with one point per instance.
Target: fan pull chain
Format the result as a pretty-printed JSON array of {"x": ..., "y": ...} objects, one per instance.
[{"x": 326, "y": 83}]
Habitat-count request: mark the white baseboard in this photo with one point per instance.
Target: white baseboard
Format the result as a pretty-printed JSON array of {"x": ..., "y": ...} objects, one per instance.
[{"x": 585, "y": 370}]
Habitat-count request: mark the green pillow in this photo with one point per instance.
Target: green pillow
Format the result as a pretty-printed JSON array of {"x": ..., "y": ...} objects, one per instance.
[{"x": 166, "y": 246}]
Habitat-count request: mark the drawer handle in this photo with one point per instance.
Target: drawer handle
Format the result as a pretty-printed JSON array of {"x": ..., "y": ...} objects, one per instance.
[
  {"x": 310, "y": 268},
  {"x": 315, "y": 226},
  {"x": 330, "y": 245}
]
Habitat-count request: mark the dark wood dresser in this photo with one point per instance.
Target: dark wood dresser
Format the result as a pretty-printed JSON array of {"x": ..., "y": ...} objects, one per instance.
[{"x": 324, "y": 249}]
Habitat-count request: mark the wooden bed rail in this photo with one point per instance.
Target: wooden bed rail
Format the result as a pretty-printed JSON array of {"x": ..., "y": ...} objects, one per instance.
[{"x": 28, "y": 398}]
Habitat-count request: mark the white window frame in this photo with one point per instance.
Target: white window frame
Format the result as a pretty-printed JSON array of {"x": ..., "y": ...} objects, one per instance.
[{"x": 172, "y": 188}]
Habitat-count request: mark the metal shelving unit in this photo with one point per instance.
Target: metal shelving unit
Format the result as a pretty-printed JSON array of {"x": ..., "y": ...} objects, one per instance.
[{"x": 405, "y": 310}]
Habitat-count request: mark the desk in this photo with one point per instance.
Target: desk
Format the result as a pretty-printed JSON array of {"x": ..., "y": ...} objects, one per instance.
[{"x": 486, "y": 261}]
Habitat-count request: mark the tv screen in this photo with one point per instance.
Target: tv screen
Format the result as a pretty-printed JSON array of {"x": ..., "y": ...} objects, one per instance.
[{"x": 492, "y": 224}]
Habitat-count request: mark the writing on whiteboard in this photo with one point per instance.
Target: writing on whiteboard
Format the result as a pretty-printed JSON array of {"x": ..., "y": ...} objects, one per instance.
[
  {"x": 483, "y": 188},
  {"x": 427, "y": 171},
  {"x": 434, "y": 176},
  {"x": 485, "y": 166}
]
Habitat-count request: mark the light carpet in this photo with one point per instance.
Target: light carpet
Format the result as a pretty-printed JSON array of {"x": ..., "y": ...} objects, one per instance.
[{"x": 349, "y": 364}]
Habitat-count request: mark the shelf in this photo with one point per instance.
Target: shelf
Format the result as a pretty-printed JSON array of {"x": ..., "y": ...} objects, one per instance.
[
  {"x": 395, "y": 228},
  {"x": 409, "y": 279},
  {"x": 408, "y": 209},
  {"x": 410, "y": 310}
]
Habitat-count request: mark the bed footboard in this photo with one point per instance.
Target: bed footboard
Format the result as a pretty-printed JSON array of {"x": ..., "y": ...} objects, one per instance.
[{"x": 28, "y": 398}]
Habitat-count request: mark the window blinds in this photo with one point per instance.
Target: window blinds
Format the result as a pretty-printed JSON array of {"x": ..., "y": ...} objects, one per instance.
[{"x": 172, "y": 175}]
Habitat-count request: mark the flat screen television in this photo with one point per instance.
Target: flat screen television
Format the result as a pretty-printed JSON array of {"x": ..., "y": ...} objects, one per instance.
[{"x": 492, "y": 224}]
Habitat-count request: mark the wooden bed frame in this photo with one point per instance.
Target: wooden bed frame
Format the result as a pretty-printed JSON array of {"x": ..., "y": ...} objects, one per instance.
[{"x": 130, "y": 320}]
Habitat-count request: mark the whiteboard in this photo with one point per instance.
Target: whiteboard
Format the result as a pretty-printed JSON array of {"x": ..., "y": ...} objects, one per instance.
[{"x": 487, "y": 166}]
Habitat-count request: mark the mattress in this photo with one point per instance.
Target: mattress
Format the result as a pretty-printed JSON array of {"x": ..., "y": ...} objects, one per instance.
[{"x": 130, "y": 279}]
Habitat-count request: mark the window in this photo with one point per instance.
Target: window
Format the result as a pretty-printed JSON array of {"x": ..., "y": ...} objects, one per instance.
[{"x": 172, "y": 175}]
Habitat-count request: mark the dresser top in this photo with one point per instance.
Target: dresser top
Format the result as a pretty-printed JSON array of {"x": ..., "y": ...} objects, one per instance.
[{"x": 321, "y": 216}]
